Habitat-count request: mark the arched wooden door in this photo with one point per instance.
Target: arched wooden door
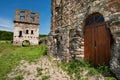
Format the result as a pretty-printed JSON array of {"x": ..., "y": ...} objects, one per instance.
[{"x": 96, "y": 41}]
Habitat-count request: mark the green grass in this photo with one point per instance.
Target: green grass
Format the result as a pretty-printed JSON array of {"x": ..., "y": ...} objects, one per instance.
[
  {"x": 45, "y": 77},
  {"x": 39, "y": 71},
  {"x": 19, "y": 78},
  {"x": 76, "y": 67},
  {"x": 111, "y": 78},
  {"x": 10, "y": 56}
]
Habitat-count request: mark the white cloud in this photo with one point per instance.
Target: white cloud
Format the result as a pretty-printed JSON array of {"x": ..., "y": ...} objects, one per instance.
[{"x": 6, "y": 24}]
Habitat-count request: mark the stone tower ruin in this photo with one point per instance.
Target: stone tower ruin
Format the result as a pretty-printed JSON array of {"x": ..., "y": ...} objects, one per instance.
[{"x": 26, "y": 27}]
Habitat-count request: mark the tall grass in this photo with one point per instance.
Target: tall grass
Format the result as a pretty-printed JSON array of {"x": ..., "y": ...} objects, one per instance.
[{"x": 10, "y": 56}]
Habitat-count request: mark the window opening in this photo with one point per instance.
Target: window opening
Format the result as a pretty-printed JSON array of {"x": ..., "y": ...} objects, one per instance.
[
  {"x": 31, "y": 19},
  {"x": 22, "y": 13},
  {"x": 22, "y": 18},
  {"x": 27, "y": 31},
  {"x": 31, "y": 31},
  {"x": 95, "y": 19},
  {"x": 32, "y": 14},
  {"x": 20, "y": 33}
]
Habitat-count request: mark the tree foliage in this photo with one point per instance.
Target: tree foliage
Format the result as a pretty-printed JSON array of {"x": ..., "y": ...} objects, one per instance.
[
  {"x": 5, "y": 35},
  {"x": 42, "y": 35}
]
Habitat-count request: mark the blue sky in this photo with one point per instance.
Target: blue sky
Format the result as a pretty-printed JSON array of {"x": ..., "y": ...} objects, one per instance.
[{"x": 8, "y": 7}]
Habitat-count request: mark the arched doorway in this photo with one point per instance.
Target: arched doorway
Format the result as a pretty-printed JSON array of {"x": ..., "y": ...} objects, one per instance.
[
  {"x": 26, "y": 43},
  {"x": 96, "y": 40}
]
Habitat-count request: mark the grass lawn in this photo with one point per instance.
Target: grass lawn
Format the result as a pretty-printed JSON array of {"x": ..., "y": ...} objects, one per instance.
[{"x": 10, "y": 56}]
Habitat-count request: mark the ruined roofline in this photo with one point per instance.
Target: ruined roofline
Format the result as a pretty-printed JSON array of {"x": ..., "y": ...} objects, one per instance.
[
  {"x": 27, "y": 10},
  {"x": 26, "y": 17}
]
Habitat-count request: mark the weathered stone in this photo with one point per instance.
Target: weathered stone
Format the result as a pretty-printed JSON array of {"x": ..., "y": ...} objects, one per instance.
[
  {"x": 26, "y": 27},
  {"x": 115, "y": 55},
  {"x": 68, "y": 24}
]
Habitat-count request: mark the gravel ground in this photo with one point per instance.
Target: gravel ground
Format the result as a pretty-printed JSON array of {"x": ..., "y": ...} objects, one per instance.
[
  {"x": 43, "y": 69},
  {"x": 46, "y": 68}
]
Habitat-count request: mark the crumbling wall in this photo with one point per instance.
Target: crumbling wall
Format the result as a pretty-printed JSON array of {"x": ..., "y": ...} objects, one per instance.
[
  {"x": 26, "y": 27},
  {"x": 115, "y": 48},
  {"x": 67, "y": 30}
]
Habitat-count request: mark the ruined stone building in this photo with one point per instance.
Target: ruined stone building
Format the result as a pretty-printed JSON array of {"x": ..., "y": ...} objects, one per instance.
[
  {"x": 26, "y": 27},
  {"x": 86, "y": 29}
]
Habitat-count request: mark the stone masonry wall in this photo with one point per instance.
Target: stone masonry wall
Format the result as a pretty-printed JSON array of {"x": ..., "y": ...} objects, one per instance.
[
  {"x": 115, "y": 49},
  {"x": 66, "y": 39},
  {"x": 26, "y": 27}
]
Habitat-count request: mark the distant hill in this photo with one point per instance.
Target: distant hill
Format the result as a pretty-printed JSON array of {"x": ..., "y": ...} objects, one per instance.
[
  {"x": 6, "y": 35},
  {"x": 42, "y": 35}
]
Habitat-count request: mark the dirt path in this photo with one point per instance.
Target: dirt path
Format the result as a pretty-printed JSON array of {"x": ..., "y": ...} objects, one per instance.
[
  {"x": 46, "y": 68},
  {"x": 43, "y": 69}
]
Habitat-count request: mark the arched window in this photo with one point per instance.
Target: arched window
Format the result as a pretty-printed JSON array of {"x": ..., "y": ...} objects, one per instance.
[
  {"x": 22, "y": 18},
  {"x": 31, "y": 31},
  {"x": 95, "y": 18},
  {"x": 27, "y": 32},
  {"x": 22, "y": 12},
  {"x": 20, "y": 34}
]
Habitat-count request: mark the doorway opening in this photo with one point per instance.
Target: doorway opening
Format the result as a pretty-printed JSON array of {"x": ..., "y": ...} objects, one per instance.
[{"x": 96, "y": 40}]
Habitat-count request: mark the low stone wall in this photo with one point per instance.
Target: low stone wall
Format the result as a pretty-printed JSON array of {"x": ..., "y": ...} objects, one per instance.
[
  {"x": 43, "y": 40},
  {"x": 66, "y": 42}
]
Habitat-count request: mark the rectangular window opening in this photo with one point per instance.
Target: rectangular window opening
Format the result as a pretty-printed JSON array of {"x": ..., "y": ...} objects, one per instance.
[
  {"x": 32, "y": 14},
  {"x": 32, "y": 19},
  {"x": 22, "y": 13},
  {"x": 22, "y": 18}
]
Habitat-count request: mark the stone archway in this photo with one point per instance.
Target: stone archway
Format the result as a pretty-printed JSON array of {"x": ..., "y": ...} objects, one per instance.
[{"x": 26, "y": 43}]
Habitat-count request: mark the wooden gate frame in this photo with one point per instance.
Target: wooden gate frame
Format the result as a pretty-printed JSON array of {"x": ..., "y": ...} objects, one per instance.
[{"x": 88, "y": 18}]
